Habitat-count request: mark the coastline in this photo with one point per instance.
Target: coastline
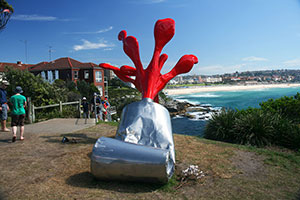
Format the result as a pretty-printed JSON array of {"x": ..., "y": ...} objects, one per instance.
[{"x": 199, "y": 89}]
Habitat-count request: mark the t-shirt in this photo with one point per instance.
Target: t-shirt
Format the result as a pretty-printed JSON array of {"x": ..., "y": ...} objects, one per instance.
[
  {"x": 85, "y": 106},
  {"x": 18, "y": 102},
  {"x": 2, "y": 96}
]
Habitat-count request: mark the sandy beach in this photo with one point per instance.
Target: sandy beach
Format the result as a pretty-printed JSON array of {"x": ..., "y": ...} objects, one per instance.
[{"x": 198, "y": 89}]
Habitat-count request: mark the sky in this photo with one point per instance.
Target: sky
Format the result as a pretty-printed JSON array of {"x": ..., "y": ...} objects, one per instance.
[{"x": 226, "y": 35}]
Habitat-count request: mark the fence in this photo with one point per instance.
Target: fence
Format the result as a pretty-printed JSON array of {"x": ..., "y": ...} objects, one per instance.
[{"x": 32, "y": 109}]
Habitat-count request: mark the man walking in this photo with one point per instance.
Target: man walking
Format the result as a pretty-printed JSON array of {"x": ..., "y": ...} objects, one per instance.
[{"x": 3, "y": 106}]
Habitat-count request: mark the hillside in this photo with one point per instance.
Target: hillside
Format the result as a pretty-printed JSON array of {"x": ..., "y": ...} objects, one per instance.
[{"x": 44, "y": 168}]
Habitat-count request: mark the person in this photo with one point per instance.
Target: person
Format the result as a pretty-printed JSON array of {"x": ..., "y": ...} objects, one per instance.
[
  {"x": 85, "y": 107},
  {"x": 3, "y": 105},
  {"x": 96, "y": 106},
  {"x": 106, "y": 106},
  {"x": 18, "y": 102}
]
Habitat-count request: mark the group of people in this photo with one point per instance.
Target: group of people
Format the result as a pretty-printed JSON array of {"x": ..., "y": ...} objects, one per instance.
[
  {"x": 17, "y": 104},
  {"x": 97, "y": 106}
]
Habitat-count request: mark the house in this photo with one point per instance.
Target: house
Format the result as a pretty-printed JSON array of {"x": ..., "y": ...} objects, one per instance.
[
  {"x": 70, "y": 69},
  {"x": 65, "y": 69}
]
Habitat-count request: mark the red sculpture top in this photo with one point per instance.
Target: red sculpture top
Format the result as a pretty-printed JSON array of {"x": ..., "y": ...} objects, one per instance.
[{"x": 150, "y": 81}]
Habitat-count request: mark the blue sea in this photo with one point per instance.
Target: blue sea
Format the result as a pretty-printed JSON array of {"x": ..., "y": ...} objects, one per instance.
[{"x": 227, "y": 99}]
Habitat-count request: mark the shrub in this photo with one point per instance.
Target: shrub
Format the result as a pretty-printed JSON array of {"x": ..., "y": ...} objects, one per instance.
[
  {"x": 288, "y": 107},
  {"x": 254, "y": 128},
  {"x": 287, "y": 133},
  {"x": 220, "y": 127}
]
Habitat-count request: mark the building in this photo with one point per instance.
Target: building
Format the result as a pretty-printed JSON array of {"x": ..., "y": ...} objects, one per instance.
[{"x": 66, "y": 69}]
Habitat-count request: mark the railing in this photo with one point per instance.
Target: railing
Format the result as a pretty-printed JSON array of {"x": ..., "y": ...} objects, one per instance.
[{"x": 32, "y": 109}]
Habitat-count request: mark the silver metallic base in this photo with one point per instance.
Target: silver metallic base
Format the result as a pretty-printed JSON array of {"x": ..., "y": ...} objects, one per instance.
[{"x": 143, "y": 149}]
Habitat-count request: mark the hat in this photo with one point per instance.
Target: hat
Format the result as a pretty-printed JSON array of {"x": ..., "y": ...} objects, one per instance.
[
  {"x": 4, "y": 82},
  {"x": 83, "y": 98},
  {"x": 95, "y": 94},
  {"x": 18, "y": 90}
]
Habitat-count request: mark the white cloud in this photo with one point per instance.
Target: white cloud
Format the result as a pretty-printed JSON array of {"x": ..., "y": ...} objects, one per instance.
[
  {"x": 89, "y": 45},
  {"x": 292, "y": 63},
  {"x": 254, "y": 59},
  {"x": 36, "y": 18},
  {"x": 93, "y": 32}
]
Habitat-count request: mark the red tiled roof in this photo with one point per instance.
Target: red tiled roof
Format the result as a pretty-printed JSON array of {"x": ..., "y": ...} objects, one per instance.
[
  {"x": 14, "y": 65},
  {"x": 62, "y": 63}
]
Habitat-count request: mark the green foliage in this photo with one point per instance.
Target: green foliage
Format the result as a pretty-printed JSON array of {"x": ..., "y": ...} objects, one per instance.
[
  {"x": 40, "y": 91},
  {"x": 288, "y": 107},
  {"x": 5, "y": 5},
  {"x": 254, "y": 126},
  {"x": 220, "y": 127},
  {"x": 86, "y": 90},
  {"x": 122, "y": 96},
  {"x": 43, "y": 93},
  {"x": 116, "y": 82},
  {"x": 69, "y": 111}
]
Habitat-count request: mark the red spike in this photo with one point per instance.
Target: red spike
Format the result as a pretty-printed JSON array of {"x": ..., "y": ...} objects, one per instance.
[
  {"x": 122, "y": 35},
  {"x": 164, "y": 31},
  {"x": 129, "y": 71}
]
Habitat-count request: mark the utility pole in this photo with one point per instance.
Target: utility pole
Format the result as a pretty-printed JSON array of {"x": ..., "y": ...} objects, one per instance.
[{"x": 50, "y": 51}]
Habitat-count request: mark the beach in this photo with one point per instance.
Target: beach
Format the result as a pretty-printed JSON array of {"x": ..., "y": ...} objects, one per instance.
[{"x": 198, "y": 89}]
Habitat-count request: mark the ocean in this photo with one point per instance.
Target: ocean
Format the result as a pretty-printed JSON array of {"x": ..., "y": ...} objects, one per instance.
[{"x": 241, "y": 99}]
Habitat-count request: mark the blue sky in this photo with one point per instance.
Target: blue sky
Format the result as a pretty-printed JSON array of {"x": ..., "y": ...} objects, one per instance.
[{"x": 225, "y": 35}]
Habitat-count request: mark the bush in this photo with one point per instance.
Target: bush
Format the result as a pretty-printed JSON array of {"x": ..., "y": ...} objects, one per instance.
[
  {"x": 69, "y": 111},
  {"x": 288, "y": 107},
  {"x": 287, "y": 133},
  {"x": 254, "y": 128},
  {"x": 220, "y": 127}
]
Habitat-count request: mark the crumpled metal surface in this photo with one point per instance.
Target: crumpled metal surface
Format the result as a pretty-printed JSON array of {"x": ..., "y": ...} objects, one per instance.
[
  {"x": 117, "y": 160},
  {"x": 147, "y": 123},
  {"x": 143, "y": 149}
]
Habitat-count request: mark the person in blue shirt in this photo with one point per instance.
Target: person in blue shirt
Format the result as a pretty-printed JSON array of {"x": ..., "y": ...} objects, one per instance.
[{"x": 3, "y": 106}]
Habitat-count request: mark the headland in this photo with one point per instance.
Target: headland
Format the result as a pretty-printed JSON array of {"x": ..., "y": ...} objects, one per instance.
[{"x": 198, "y": 89}]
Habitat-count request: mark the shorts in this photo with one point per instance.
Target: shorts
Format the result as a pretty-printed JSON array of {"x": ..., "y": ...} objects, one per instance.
[
  {"x": 3, "y": 113},
  {"x": 17, "y": 120}
]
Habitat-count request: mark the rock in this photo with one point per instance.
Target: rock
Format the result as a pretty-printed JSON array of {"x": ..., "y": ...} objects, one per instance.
[{"x": 201, "y": 112}]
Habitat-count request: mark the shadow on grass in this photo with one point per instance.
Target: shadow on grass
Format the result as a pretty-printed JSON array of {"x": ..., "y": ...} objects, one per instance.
[
  {"x": 87, "y": 180},
  {"x": 74, "y": 138}
]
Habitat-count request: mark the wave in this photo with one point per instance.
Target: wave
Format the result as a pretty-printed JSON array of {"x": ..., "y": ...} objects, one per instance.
[
  {"x": 205, "y": 95},
  {"x": 177, "y": 117}
]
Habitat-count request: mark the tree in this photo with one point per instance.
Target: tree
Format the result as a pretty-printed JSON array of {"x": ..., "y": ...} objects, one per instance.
[
  {"x": 6, "y": 11},
  {"x": 40, "y": 91}
]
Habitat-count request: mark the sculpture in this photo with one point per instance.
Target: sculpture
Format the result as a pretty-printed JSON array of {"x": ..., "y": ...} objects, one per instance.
[{"x": 144, "y": 147}]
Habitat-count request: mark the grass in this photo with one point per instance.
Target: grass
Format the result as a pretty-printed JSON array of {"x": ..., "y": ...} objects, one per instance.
[
  {"x": 108, "y": 123},
  {"x": 44, "y": 168}
]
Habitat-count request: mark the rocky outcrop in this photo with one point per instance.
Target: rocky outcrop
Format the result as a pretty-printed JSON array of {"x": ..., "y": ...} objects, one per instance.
[{"x": 185, "y": 109}]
